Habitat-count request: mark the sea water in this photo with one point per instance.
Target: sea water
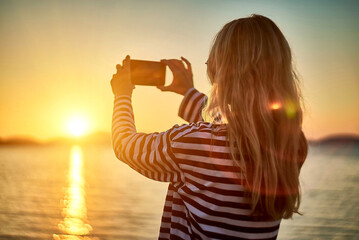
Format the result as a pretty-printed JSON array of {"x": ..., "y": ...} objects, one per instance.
[{"x": 83, "y": 192}]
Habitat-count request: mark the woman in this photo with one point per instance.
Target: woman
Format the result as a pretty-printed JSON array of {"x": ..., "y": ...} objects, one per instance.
[{"x": 234, "y": 176}]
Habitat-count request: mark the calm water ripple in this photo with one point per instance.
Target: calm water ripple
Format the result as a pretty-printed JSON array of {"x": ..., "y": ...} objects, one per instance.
[{"x": 83, "y": 192}]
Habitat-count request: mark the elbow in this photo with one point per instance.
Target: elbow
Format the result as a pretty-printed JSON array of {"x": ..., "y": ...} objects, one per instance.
[
  {"x": 119, "y": 143},
  {"x": 116, "y": 149}
]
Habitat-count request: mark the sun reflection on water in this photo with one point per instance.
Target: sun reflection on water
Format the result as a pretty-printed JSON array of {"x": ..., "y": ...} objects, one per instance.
[{"x": 75, "y": 225}]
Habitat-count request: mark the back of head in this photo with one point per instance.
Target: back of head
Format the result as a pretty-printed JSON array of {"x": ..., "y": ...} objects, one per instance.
[{"x": 256, "y": 91}]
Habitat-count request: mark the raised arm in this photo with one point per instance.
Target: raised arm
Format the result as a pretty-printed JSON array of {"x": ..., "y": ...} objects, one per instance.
[
  {"x": 148, "y": 154},
  {"x": 193, "y": 101},
  {"x": 192, "y": 105}
]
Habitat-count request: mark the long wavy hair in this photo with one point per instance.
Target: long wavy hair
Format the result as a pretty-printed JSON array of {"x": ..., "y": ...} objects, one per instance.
[{"x": 256, "y": 91}]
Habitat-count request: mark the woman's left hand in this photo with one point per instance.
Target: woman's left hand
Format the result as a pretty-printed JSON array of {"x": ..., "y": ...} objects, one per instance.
[{"x": 121, "y": 81}]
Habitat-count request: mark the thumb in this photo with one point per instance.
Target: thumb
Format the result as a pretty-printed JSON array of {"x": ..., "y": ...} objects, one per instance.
[{"x": 164, "y": 88}]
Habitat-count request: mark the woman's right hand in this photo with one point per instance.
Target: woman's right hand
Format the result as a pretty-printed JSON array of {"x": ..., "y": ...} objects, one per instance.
[{"x": 182, "y": 76}]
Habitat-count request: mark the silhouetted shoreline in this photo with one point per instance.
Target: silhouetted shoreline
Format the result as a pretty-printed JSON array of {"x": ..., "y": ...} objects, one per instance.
[
  {"x": 337, "y": 139},
  {"x": 100, "y": 138},
  {"x": 104, "y": 138}
]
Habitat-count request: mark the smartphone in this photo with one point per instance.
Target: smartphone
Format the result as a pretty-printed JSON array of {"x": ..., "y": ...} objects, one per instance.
[{"x": 148, "y": 73}]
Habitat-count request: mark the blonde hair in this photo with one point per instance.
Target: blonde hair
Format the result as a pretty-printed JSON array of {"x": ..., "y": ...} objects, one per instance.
[{"x": 255, "y": 89}]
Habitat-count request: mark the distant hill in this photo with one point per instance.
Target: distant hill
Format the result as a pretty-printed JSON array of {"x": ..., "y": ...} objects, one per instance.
[
  {"x": 338, "y": 145},
  {"x": 102, "y": 138},
  {"x": 19, "y": 141},
  {"x": 343, "y": 139}
]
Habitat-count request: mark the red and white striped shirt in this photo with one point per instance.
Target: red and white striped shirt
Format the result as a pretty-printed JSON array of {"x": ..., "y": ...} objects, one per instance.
[{"x": 205, "y": 198}]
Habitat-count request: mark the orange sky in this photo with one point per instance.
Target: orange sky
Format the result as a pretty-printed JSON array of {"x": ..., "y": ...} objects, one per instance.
[{"x": 57, "y": 59}]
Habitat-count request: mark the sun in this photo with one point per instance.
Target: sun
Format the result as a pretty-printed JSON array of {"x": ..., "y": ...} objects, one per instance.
[{"x": 77, "y": 125}]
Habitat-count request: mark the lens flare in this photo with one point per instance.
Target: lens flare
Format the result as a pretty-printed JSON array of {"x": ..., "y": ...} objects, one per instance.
[
  {"x": 290, "y": 109},
  {"x": 275, "y": 106}
]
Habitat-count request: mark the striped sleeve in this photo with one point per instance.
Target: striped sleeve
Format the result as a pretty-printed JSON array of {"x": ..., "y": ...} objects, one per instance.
[
  {"x": 148, "y": 154},
  {"x": 191, "y": 106}
]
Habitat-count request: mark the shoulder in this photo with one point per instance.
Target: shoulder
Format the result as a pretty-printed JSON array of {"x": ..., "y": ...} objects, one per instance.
[{"x": 197, "y": 130}]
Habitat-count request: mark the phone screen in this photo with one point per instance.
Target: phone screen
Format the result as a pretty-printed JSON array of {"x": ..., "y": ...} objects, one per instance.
[{"x": 148, "y": 73}]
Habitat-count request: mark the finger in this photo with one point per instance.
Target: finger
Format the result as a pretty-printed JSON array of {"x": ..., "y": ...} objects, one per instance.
[
  {"x": 126, "y": 62},
  {"x": 164, "y": 61},
  {"x": 114, "y": 76},
  {"x": 189, "y": 66},
  {"x": 180, "y": 64},
  {"x": 160, "y": 87},
  {"x": 177, "y": 65},
  {"x": 180, "y": 70},
  {"x": 118, "y": 67},
  {"x": 171, "y": 64}
]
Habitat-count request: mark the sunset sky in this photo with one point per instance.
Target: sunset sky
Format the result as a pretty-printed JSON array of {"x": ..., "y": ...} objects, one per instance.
[{"x": 57, "y": 59}]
